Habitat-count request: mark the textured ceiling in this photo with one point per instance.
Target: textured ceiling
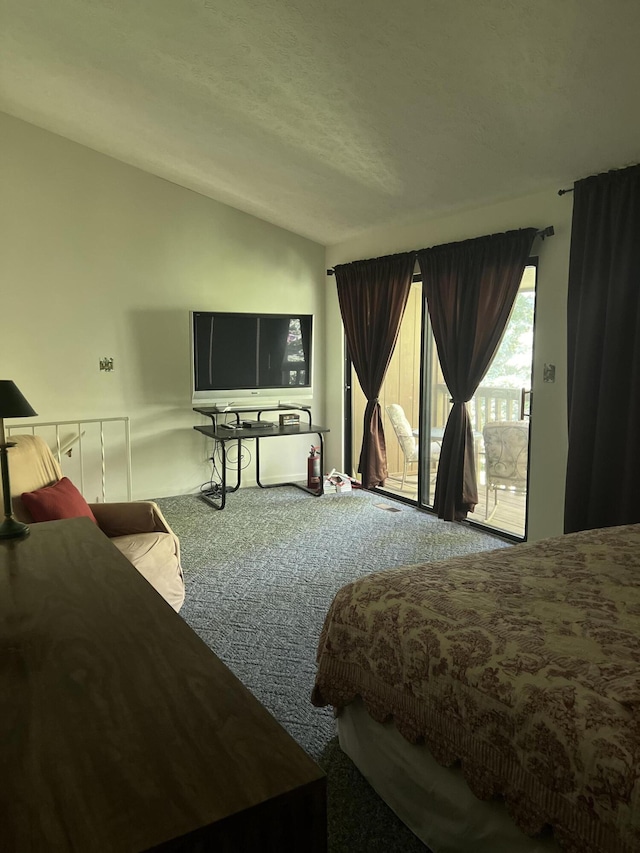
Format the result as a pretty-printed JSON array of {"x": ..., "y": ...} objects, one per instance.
[{"x": 330, "y": 116}]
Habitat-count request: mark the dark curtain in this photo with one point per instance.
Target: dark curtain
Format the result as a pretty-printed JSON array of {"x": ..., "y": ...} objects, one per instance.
[
  {"x": 603, "y": 353},
  {"x": 470, "y": 288},
  {"x": 373, "y": 295}
]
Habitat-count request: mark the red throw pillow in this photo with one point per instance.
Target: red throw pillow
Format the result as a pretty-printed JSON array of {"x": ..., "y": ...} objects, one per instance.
[{"x": 62, "y": 500}]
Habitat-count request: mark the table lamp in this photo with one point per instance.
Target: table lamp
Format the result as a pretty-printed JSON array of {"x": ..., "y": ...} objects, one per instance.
[{"x": 12, "y": 405}]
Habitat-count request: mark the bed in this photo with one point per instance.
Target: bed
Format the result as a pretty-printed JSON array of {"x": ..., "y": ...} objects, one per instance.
[{"x": 494, "y": 699}]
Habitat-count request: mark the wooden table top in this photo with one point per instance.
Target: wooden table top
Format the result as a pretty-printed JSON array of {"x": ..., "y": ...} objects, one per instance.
[
  {"x": 119, "y": 728},
  {"x": 223, "y": 434}
]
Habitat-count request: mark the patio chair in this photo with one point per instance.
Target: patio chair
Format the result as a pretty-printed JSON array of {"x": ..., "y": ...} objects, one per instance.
[
  {"x": 404, "y": 434},
  {"x": 506, "y": 447}
]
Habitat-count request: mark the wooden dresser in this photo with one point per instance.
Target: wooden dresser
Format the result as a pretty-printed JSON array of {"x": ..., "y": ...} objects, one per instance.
[{"x": 120, "y": 730}]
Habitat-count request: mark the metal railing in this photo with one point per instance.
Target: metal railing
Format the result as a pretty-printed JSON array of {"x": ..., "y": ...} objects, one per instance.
[
  {"x": 85, "y": 434},
  {"x": 488, "y": 404},
  {"x": 494, "y": 404}
]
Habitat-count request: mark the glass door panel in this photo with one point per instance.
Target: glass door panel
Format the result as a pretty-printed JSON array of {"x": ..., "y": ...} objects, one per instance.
[
  {"x": 500, "y": 414},
  {"x": 502, "y": 398},
  {"x": 437, "y": 408},
  {"x": 400, "y": 403}
]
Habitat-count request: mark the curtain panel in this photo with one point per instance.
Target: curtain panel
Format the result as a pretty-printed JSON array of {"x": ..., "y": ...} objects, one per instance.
[
  {"x": 603, "y": 353},
  {"x": 373, "y": 296},
  {"x": 470, "y": 288}
]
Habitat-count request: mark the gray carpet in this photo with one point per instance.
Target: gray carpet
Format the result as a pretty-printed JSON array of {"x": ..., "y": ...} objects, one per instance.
[{"x": 260, "y": 576}]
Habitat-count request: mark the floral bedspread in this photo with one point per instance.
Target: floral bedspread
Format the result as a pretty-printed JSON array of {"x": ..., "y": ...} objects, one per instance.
[{"x": 522, "y": 664}]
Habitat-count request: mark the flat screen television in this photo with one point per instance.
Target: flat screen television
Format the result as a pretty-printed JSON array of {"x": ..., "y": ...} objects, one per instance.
[{"x": 237, "y": 357}]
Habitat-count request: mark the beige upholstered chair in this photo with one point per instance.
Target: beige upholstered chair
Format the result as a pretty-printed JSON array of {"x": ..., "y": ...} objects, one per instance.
[
  {"x": 506, "y": 447},
  {"x": 137, "y": 528}
]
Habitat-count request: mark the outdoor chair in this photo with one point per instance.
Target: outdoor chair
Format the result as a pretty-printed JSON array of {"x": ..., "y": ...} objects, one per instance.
[
  {"x": 506, "y": 447},
  {"x": 404, "y": 434},
  {"x": 408, "y": 440}
]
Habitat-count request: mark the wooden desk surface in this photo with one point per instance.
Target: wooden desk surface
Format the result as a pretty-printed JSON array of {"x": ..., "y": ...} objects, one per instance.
[
  {"x": 119, "y": 728},
  {"x": 223, "y": 434}
]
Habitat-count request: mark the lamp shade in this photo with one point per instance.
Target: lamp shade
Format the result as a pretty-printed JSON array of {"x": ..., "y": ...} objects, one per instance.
[{"x": 12, "y": 403}]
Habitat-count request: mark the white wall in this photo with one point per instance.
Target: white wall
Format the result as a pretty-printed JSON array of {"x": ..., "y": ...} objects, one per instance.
[
  {"x": 548, "y": 427},
  {"x": 101, "y": 259}
]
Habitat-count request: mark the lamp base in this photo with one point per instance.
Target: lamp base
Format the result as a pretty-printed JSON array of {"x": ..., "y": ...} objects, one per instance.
[{"x": 12, "y": 529}]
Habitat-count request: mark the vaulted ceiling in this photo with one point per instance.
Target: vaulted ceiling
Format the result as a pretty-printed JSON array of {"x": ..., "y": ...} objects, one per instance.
[{"x": 330, "y": 116}]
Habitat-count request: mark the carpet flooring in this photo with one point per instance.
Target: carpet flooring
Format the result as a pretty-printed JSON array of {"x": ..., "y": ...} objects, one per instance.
[{"x": 260, "y": 576}]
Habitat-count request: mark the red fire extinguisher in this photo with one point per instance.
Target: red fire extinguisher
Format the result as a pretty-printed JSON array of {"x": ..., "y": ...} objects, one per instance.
[{"x": 313, "y": 468}]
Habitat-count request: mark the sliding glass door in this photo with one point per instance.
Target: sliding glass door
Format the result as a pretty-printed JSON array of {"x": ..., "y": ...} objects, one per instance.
[
  {"x": 501, "y": 412},
  {"x": 400, "y": 404},
  {"x": 416, "y": 403}
]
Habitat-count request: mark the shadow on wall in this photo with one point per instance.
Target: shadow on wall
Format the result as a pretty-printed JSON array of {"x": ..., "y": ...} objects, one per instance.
[
  {"x": 161, "y": 371},
  {"x": 168, "y": 456}
]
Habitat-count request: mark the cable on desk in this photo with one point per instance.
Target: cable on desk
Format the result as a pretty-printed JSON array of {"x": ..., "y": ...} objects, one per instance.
[
  {"x": 212, "y": 486},
  {"x": 233, "y": 462},
  {"x": 215, "y": 480}
]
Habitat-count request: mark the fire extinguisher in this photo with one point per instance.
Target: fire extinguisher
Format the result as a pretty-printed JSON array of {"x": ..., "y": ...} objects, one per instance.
[{"x": 313, "y": 468}]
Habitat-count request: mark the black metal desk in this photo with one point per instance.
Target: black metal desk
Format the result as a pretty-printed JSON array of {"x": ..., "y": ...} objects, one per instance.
[{"x": 217, "y": 496}]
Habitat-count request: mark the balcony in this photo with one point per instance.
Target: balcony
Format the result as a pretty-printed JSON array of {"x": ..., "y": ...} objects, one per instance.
[{"x": 504, "y": 509}]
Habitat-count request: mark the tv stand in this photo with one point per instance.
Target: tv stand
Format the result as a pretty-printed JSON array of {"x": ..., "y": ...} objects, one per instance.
[{"x": 217, "y": 495}]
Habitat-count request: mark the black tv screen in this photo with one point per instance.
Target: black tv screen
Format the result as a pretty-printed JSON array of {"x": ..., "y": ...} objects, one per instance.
[{"x": 251, "y": 353}]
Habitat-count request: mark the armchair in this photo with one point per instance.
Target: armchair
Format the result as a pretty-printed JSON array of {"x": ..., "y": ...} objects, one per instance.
[{"x": 137, "y": 528}]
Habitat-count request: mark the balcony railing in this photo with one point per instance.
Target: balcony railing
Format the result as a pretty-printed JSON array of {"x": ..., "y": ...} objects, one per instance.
[
  {"x": 488, "y": 404},
  {"x": 94, "y": 453}
]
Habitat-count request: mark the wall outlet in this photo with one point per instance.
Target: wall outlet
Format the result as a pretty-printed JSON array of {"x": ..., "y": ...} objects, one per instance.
[{"x": 106, "y": 364}]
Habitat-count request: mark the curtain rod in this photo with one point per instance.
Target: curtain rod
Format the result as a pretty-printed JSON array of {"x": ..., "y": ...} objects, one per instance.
[
  {"x": 564, "y": 192},
  {"x": 543, "y": 232}
]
